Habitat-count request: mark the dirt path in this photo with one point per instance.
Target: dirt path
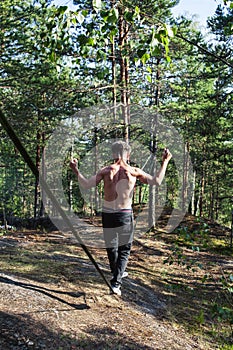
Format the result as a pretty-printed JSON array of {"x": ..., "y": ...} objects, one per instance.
[
  {"x": 53, "y": 298},
  {"x": 38, "y": 316}
]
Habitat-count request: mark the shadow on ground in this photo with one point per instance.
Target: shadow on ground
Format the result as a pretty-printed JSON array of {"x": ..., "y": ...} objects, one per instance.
[{"x": 21, "y": 332}]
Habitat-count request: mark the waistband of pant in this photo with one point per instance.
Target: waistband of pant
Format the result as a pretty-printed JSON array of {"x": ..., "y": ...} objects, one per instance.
[{"x": 110, "y": 210}]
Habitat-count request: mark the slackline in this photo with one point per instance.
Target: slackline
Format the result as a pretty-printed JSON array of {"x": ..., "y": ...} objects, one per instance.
[{"x": 18, "y": 144}]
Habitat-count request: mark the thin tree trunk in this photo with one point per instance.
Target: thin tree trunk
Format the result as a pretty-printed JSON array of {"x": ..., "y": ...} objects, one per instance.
[
  {"x": 211, "y": 205},
  {"x": 153, "y": 190},
  {"x": 231, "y": 237},
  {"x": 96, "y": 195},
  {"x": 24, "y": 201},
  {"x": 216, "y": 200},
  {"x": 124, "y": 74},
  {"x": 36, "y": 191},
  {"x": 4, "y": 218},
  {"x": 43, "y": 173},
  {"x": 114, "y": 91},
  {"x": 185, "y": 176},
  {"x": 202, "y": 191},
  {"x": 193, "y": 208}
]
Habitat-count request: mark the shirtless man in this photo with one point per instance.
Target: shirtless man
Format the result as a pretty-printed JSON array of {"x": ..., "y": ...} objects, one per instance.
[{"x": 117, "y": 216}]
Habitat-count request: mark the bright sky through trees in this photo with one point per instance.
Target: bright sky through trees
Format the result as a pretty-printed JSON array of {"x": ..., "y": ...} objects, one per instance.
[{"x": 201, "y": 8}]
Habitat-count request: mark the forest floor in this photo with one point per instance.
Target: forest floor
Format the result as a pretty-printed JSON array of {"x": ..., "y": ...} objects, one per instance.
[{"x": 178, "y": 294}]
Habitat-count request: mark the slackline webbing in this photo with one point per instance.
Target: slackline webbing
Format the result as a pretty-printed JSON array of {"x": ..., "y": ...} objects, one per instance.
[{"x": 18, "y": 144}]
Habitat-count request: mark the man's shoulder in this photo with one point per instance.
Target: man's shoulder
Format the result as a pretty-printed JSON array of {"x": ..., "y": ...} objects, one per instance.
[
  {"x": 136, "y": 170},
  {"x": 106, "y": 169}
]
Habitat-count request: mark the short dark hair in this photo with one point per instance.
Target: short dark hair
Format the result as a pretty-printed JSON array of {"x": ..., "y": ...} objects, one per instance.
[{"x": 120, "y": 148}]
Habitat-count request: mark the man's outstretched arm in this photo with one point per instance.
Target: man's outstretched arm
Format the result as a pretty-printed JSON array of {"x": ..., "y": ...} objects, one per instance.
[
  {"x": 157, "y": 178},
  {"x": 83, "y": 181}
]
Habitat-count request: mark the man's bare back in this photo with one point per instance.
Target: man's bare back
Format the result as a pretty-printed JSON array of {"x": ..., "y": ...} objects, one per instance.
[{"x": 119, "y": 181}]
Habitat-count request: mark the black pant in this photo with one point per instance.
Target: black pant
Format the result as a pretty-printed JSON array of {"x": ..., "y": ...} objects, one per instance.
[{"x": 118, "y": 236}]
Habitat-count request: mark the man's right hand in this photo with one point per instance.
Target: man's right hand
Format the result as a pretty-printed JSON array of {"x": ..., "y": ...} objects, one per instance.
[
  {"x": 166, "y": 155},
  {"x": 73, "y": 163}
]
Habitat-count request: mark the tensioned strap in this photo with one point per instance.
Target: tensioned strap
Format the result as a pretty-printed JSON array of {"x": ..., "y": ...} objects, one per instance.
[{"x": 18, "y": 144}]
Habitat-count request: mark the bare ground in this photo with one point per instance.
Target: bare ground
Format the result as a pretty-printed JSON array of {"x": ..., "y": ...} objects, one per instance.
[{"x": 52, "y": 297}]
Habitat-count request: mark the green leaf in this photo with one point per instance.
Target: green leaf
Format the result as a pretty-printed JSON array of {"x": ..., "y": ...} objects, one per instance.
[
  {"x": 52, "y": 56},
  {"x": 82, "y": 39},
  {"x": 137, "y": 10},
  {"x": 145, "y": 58},
  {"x": 80, "y": 17},
  {"x": 156, "y": 51},
  {"x": 62, "y": 9},
  {"x": 43, "y": 35},
  {"x": 128, "y": 16},
  {"x": 112, "y": 34},
  {"x": 113, "y": 16},
  {"x": 141, "y": 52},
  {"x": 97, "y": 4},
  {"x": 91, "y": 41},
  {"x": 137, "y": 61},
  {"x": 104, "y": 15},
  {"x": 85, "y": 13},
  {"x": 154, "y": 43}
]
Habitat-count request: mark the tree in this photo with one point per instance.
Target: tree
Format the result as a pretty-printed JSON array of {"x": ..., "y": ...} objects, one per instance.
[
  {"x": 123, "y": 36},
  {"x": 200, "y": 98},
  {"x": 34, "y": 88},
  {"x": 221, "y": 199}
]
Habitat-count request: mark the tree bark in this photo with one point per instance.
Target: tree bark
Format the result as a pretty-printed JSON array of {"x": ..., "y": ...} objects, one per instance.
[
  {"x": 185, "y": 176},
  {"x": 43, "y": 173},
  {"x": 153, "y": 190},
  {"x": 37, "y": 190},
  {"x": 202, "y": 191},
  {"x": 124, "y": 74},
  {"x": 113, "y": 59}
]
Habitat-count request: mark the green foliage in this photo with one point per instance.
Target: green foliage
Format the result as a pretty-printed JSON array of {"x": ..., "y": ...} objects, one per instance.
[
  {"x": 227, "y": 283},
  {"x": 177, "y": 256},
  {"x": 99, "y": 26},
  {"x": 222, "y": 313},
  {"x": 33, "y": 94},
  {"x": 196, "y": 239},
  {"x": 200, "y": 319},
  {"x": 55, "y": 61},
  {"x": 228, "y": 3}
]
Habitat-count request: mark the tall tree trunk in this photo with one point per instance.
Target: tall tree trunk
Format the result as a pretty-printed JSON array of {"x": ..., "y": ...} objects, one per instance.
[
  {"x": 96, "y": 195},
  {"x": 202, "y": 182},
  {"x": 153, "y": 194},
  {"x": 43, "y": 174},
  {"x": 153, "y": 190},
  {"x": 124, "y": 73},
  {"x": 216, "y": 204},
  {"x": 4, "y": 218},
  {"x": 113, "y": 59},
  {"x": 185, "y": 175},
  {"x": 231, "y": 237},
  {"x": 201, "y": 195},
  {"x": 193, "y": 203},
  {"x": 37, "y": 190}
]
